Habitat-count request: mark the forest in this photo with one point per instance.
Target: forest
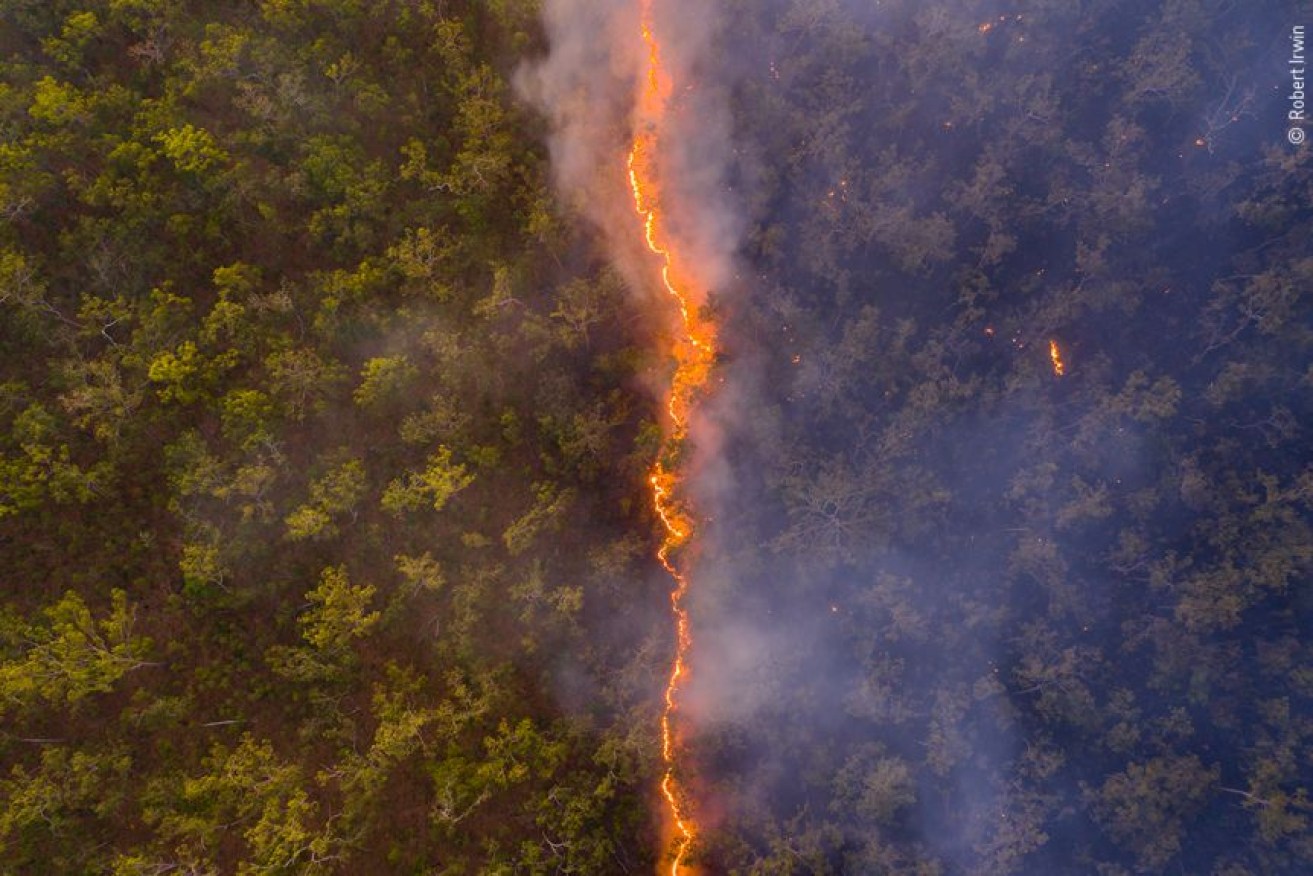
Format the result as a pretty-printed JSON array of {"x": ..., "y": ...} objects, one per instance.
[{"x": 326, "y": 423}]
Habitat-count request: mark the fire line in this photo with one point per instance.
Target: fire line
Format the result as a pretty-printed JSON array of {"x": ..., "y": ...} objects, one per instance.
[{"x": 694, "y": 352}]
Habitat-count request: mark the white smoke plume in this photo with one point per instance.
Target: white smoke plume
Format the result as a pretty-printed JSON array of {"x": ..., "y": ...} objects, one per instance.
[
  {"x": 591, "y": 87},
  {"x": 586, "y": 87}
]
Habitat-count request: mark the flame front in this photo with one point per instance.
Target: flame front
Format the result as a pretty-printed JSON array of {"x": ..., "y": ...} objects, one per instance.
[
  {"x": 694, "y": 352},
  {"x": 1055, "y": 356}
]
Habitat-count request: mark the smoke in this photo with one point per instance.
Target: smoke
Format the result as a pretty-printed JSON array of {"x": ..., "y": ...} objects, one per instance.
[
  {"x": 909, "y": 595},
  {"x": 641, "y": 145},
  {"x": 586, "y": 88},
  {"x": 786, "y": 686}
]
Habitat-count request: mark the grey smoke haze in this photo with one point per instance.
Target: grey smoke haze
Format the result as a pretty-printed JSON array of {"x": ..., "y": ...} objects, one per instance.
[
  {"x": 777, "y": 666},
  {"x": 586, "y": 87},
  {"x": 907, "y": 621}
]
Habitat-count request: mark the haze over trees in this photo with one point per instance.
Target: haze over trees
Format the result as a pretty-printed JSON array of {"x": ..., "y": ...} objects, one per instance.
[
  {"x": 1017, "y": 622},
  {"x": 325, "y": 543}
]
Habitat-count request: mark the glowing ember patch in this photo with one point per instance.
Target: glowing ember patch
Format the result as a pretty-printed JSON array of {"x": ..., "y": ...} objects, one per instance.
[
  {"x": 694, "y": 353},
  {"x": 1055, "y": 354}
]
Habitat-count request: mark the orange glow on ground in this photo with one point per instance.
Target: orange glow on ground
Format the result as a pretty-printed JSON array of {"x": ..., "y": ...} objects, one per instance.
[
  {"x": 694, "y": 352},
  {"x": 1055, "y": 354}
]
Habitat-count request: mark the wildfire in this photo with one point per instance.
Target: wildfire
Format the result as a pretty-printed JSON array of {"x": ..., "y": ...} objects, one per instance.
[
  {"x": 1055, "y": 354},
  {"x": 694, "y": 353}
]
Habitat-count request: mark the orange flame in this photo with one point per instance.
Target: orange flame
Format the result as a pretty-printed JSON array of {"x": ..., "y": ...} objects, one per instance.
[
  {"x": 694, "y": 354},
  {"x": 1055, "y": 354}
]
